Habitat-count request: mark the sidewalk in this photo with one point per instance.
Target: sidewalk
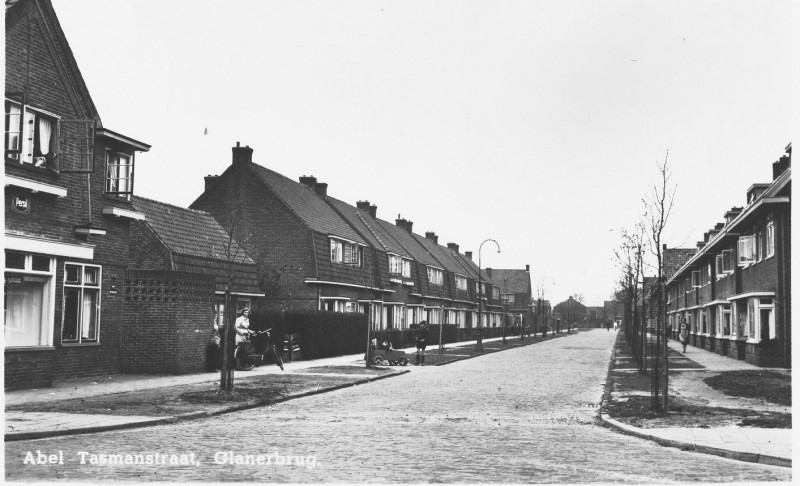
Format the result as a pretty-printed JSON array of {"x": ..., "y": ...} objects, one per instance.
[
  {"x": 22, "y": 425},
  {"x": 762, "y": 445}
]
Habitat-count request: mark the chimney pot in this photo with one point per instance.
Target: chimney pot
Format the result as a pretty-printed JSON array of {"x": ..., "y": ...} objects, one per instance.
[
  {"x": 432, "y": 236},
  {"x": 409, "y": 226},
  {"x": 401, "y": 223},
  {"x": 453, "y": 246},
  {"x": 373, "y": 210},
  {"x": 489, "y": 272},
  {"x": 527, "y": 268},
  {"x": 321, "y": 188}
]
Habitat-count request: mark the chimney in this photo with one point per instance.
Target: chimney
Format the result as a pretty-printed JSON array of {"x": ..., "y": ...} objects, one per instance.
[
  {"x": 364, "y": 206},
  {"x": 409, "y": 225},
  {"x": 309, "y": 181},
  {"x": 242, "y": 155},
  {"x": 782, "y": 164},
  {"x": 527, "y": 268},
  {"x": 718, "y": 227},
  {"x": 401, "y": 223},
  {"x": 321, "y": 188},
  {"x": 210, "y": 180},
  {"x": 488, "y": 272},
  {"x": 453, "y": 247},
  {"x": 468, "y": 254},
  {"x": 700, "y": 245},
  {"x": 731, "y": 215},
  {"x": 432, "y": 236},
  {"x": 373, "y": 210}
]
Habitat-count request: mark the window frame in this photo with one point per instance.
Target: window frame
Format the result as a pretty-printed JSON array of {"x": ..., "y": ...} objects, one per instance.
[
  {"x": 48, "y": 293},
  {"x": 130, "y": 179},
  {"x": 341, "y": 250},
  {"x": 435, "y": 276},
  {"x": 462, "y": 283},
  {"x": 82, "y": 286},
  {"x": 746, "y": 250},
  {"x": 25, "y": 137},
  {"x": 769, "y": 235}
]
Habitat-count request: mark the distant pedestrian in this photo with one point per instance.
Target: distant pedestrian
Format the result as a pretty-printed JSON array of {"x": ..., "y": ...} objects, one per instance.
[
  {"x": 683, "y": 335},
  {"x": 422, "y": 342}
]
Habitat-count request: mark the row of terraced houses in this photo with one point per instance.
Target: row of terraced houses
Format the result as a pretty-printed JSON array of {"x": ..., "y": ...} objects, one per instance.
[
  {"x": 99, "y": 280},
  {"x": 733, "y": 290}
]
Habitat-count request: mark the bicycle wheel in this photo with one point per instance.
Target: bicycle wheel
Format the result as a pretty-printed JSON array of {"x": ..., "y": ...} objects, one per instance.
[
  {"x": 277, "y": 356},
  {"x": 241, "y": 356}
]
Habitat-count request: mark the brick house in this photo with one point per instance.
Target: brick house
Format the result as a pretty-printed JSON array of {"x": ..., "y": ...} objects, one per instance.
[
  {"x": 516, "y": 293},
  {"x": 308, "y": 255},
  {"x": 182, "y": 262},
  {"x": 314, "y": 251},
  {"x": 735, "y": 291},
  {"x": 68, "y": 183}
]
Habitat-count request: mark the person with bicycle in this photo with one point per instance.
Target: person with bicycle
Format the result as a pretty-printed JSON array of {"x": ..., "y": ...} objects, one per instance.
[{"x": 243, "y": 331}]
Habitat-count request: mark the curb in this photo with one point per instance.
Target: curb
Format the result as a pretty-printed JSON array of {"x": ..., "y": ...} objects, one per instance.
[
  {"x": 13, "y": 437},
  {"x": 688, "y": 446}
]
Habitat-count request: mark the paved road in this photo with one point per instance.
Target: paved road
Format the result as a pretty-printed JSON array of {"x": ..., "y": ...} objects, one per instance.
[{"x": 523, "y": 415}]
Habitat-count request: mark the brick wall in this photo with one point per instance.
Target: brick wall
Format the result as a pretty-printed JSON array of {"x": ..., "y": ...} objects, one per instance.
[{"x": 168, "y": 321}]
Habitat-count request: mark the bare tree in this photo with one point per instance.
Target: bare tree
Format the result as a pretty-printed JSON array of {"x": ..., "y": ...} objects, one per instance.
[
  {"x": 629, "y": 259},
  {"x": 659, "y": 204},
  {"x": 578, "y": 297}
]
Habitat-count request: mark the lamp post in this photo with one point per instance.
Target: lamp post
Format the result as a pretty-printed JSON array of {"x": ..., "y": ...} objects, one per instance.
[{"x": 479, "y": 345}]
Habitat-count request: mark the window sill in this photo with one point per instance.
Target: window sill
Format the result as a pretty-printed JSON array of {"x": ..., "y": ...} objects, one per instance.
[
  {"x": 30, "y": 167},
  {"x": 80, "y": 345},
  {"x": 25, "y": 349}
]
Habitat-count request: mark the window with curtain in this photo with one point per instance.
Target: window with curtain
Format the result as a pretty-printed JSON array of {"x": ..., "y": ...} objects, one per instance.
[
  {"x": 29, "y": 135},
  {"x": 119, "y": 174},
  {"x": 770, "y": 237},
  {"x": 345, "y": 252},
  {"x": 81, "y": 303}
]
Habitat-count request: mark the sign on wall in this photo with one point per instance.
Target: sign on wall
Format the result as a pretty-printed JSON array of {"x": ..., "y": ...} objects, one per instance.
[{"x": 21, "y": 203}]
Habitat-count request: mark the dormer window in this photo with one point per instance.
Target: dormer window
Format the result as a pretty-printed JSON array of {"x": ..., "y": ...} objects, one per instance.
[
  {"x": 345, "y": 252},
  {"x": 119, "y": 174},
  {"x": 461, "y": 282},
  {"x": 399, "y": 266},
  {"x": 435, "y": 276}
]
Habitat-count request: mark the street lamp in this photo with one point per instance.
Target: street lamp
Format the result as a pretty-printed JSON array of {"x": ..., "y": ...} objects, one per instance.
[{"x": 479, "y": 345}]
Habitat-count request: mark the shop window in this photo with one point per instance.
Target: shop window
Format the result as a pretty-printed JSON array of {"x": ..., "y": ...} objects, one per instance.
[{"x": 81, "y": 320}]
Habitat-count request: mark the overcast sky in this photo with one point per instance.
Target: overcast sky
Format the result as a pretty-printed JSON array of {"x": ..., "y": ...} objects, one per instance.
[{"x": 537, "y": 123}]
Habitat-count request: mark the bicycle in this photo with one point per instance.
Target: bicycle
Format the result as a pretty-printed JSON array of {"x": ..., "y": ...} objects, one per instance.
[{"x": 246, "y": 355}]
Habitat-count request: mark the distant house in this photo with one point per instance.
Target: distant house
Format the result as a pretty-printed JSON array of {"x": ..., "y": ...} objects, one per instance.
[
  {"x": 68, "y": 186},
  {"x": 735, "y": 291},
  {"x": 516, "y": 294},
  {"x": 569, "y": 314}
]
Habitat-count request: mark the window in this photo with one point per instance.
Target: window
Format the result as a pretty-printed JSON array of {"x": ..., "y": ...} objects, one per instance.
[
  {"x": 480, "y": 288},
  {"x": 119, "y": 174},
  {"x": 766, "y": 319},
  {"x": 703, "y": 322},
  {"x": 726, "y": 319},
  {"x": 435, "y": 277},
  {"x": 495, "y": 293},
  {"x": 81, "y": 303},
  {"x": 508, "y": 298},
  {"x": 727, "y": 261},
  {"x": 345, "y": 253},
  {"x": 399, "y": 266},
  {"x": 461, "y": 282},
  {"x": 30, "y": 136},
  {"x": 28, "y": 299},
  {"x": 746, "y": 250},
  {"x": 696, "y": 279},
  {"x": 759, "y": 245},
  {"x": 770, "y": 237}
]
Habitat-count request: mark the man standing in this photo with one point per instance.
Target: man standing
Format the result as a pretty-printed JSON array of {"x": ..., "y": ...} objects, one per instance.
[{"x": 422, "y": 341}]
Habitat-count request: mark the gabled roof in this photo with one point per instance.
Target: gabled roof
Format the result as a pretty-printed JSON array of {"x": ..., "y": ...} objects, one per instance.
[
  {"x": 409, "y": 243},
  {"x": 474, "y": 270},
  {"x": 675, "y": 258},
  {"x": 442, "y": 254},
  {"x": 512, "y": 281},
  {"x": 307, "y": 205},
  {"x": 63, "y": 57},
  {"x": 188, "y": 231},
  {"x": 366, "y": 226}
]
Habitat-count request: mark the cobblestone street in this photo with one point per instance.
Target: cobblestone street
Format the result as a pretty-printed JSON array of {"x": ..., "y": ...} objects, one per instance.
[{"x": 523, "y": 415}]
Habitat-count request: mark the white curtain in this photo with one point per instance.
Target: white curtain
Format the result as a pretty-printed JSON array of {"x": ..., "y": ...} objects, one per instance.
[{"x": 45, "y": 135}]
